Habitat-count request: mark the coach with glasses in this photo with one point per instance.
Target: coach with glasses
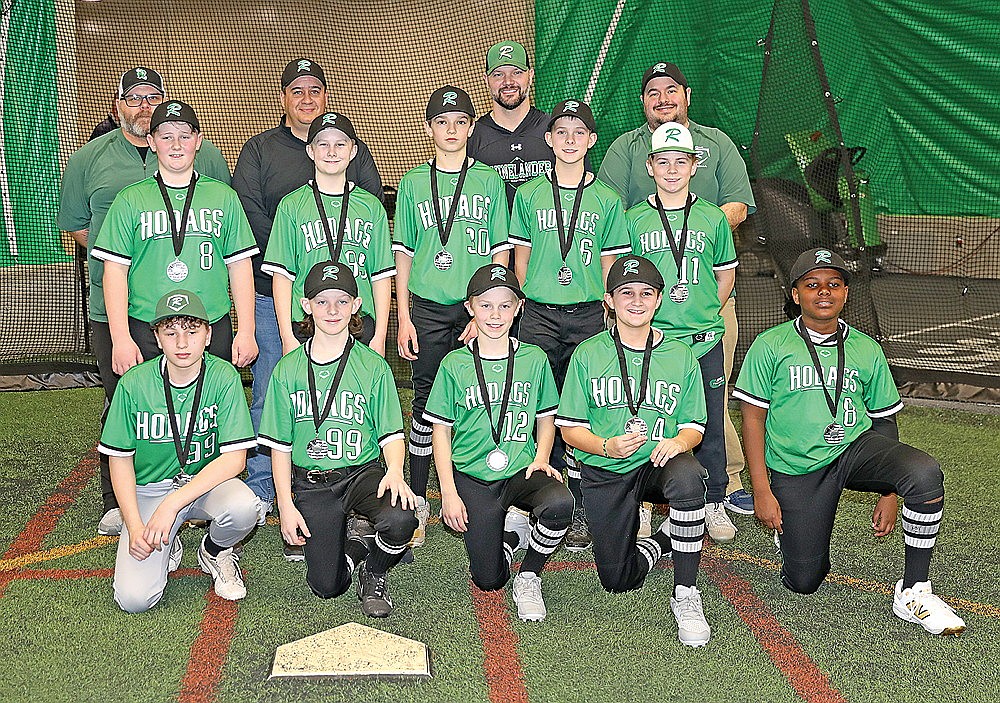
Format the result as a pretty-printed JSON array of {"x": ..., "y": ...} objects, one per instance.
[{"x": 94, "y": 175}]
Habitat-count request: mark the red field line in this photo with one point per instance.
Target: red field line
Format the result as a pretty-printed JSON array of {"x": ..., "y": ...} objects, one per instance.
[
  {"x": 44, "y": 521},
  {"x": 209, "y": 651},
  {"x": 34, "y": 574},
  {"x": 501, "y": 663},
  {"x": 781, "y": 646}
]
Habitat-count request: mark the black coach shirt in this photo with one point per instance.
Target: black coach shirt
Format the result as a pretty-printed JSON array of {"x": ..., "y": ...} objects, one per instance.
[
  {"x": 273, "y": 164},
  {"x": 517, "y": 156}
]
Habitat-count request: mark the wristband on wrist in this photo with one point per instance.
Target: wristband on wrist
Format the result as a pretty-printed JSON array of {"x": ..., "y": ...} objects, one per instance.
[{"x": 604, "y": 448}]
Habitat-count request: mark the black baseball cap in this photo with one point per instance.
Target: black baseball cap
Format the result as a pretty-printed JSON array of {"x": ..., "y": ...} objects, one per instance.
[
  {"x": 491, "y": 276},
  {"x": 140, "y": 75},
  {"x": 633, "y": 269},
  {"x": 819, "y": 259},
  {"x": 179, "y": 303},
  {"x": 663, "y": 69},
  {"x": 173, "y": 111},
  {"x": 331, "y": 120},
  {"x": 449, "y": 99},
  {"x": 327, "y": 275},
  {"x": 297, "y": 68},
  {"x": 573, "y": 108}
]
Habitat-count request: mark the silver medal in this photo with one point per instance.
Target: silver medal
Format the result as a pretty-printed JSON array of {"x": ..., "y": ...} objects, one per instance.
[
  {"x": 834, "y": 433},
  {"x": 497, "y": 460},
  {"x": 443, "y": 260},
  {"x": 636, "y": 425},
  {"x": 565, "y": 276},
  {"x": 316, "y": 449},
  {"x": 678, "y": 293},
  {"x": 177, "y": 271},
  {"x": 182, "y": 479}
]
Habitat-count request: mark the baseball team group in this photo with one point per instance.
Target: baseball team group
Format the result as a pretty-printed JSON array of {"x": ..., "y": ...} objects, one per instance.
[{"x": 571, "y": 336}]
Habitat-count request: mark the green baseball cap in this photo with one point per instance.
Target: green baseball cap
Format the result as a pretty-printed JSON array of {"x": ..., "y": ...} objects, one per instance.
[
  {"x": 179, "y": 303},
  {"x": 672, "y": 136},
  {"x": 507, "y": 53}
]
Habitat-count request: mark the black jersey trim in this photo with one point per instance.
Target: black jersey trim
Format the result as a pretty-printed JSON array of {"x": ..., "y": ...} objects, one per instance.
[
  {"x": 390, "y": 437},
  {"x": 564, "y": 421},
  {"x": 106, "y": 255},
  {"x": 726, "y": 265},
  {"x": 283, "y": 447},
  {"x": 114, "y": 451},
  {"x": 886, "y": 412},
  {"x": 235, "y": 445},
  {"x": 384, "y": 273},
  {"x": 241, "y": 254},
  {"x": 277, "y": 269},
  {"x": 437, "y": 419},
  {"x": 752, "y": 399},
  {"x": 615, "y": 251},
  {"x": 500, "y": 246},
  {"x": 697, "y": 426},
  {"x": 545, "y": 412},
  {"x": 402, "y": 249}
]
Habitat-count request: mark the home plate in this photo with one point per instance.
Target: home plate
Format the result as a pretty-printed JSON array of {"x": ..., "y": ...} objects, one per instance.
[{"x": 353, "y": 651}]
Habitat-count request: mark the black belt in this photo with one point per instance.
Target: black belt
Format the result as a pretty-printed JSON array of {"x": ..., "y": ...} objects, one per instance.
[
  {"x": 572, "y": 307},
  {"x": 329, "y": 476}
]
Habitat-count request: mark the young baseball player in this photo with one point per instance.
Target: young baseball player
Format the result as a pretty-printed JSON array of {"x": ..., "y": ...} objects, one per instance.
[
  {"x": 567, "y": 228},
  {"x": 176, "y": 227},
  {"x": 451, "y": 218},
  {"x": 331, "y": 405},
  {"x": 487, "y": 400},
  {"x": 633, "y": 408},
  {"x": 331, "y": 219},
  {"x": 177, "y": 435},
  {"x": 819, "y": 408},
  {"x": 689, "y": 241}
]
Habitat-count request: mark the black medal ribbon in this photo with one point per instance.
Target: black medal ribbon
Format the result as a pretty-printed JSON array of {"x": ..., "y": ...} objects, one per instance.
[
  {"x": 676, "y": 248},
  {"x": 566, "y": 232},
  {"x": 647, "y": 355},
  {"x": 445, "y": 232},
  {"x": 335, "y": 249},
  {"x": 183, "y": 449},
  {"x": 496, "y": 429},
  {"x": 832, "y": 402},
  {"x": 319, "y": 418},
  {"x": 177, "y": 233}
]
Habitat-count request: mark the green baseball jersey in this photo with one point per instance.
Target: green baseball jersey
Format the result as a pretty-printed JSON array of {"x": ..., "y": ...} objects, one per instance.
[
  {"x": 479, "y": 230},
  {"x": 136, "y": 233},
  {"x": 298, "y": 241},
  {"x": 709, "y": 248},
  {"x": 364, "y": 416},
  {"x": 778, "y": 374},
  {"x": 95, "y": 174},
  {"x": 593, "y": 396},
  {"x": 456, "y": 400},
  {"x": 138, "y": 423},
  {"x": 600, "y": 231},
  {"x": 721, "y": 176}
]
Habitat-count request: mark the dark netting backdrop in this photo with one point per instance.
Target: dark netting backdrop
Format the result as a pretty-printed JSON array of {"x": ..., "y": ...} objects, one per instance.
[{"x": 868, "y": 126}]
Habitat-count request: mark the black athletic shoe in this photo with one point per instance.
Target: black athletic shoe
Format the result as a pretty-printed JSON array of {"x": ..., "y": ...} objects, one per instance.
[
  {"x": 373, "y": 592},
  {"x": 578, "y": 538}
]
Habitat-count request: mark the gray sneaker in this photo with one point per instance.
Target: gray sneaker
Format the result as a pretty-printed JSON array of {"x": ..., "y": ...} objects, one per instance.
[
  {"x": 720, "y": 528},
  {"x": 225, "y": 572},
  {"x": 373, "y": 592},
  {"x": 176, "y": 552},
  {"x": 578, "y": 538},
  {"x": 263, "y": 508},
  {"x": 111, "y": 523},
  {"x": 527, "y": 590},
  {"x": 692, "y": 628}
]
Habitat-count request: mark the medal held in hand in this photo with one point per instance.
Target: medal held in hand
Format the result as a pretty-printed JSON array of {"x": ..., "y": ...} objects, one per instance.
[
  {"x": 497, "y": 459},
  {"x": 834, "y": 432},
  {"x": 181, "y": 479},
  {"x": 443, "y": 260},
  {"x": 634, "y": 424},
  {"x": 317, "y": 449},
  {"x": 678, "y": 292},
  {"x": 565, "y": 274},
  {"x": 177, "y": 270}
]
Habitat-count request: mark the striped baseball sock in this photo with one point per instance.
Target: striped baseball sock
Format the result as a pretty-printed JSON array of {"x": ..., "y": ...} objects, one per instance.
[{"x": 920, "y": 527}]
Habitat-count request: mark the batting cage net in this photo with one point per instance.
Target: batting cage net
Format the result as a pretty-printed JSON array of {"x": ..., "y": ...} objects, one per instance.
[{"x": 866, "y": 125}]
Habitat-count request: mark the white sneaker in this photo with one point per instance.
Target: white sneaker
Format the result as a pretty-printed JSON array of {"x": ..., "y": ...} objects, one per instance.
[
  {"x": 919, "y": 605},
  {"x": 423, "y": 513},
  {"x": 645, "y": 521},
  {"x": 225, "y": 572},
  {"x": 692, "y": 628},
  {"x": 720, "y": 528},
  {"x": 263, "y": 508},
  {"x": 527, "y": 592},
  {"x": 111, "y": 523},
  {"x": 517, "y": 521},
  {"x": 176, "y": 552}
]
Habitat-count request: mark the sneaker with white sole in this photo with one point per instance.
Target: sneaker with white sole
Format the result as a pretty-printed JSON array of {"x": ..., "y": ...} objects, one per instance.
[
  {"x": 919, "y": 605},
  {"x": 739, "y": 501},
  {"x": 373, "y": 592},
  {"x": 645, "y": 521},
  {"x": 578, "y": 538},
  {"x": 692, "y": 628},
  {"x": 423, "y": 513},
  {"x": 517, "y": 521},
  {"x": 224, "y": 570},
  {"x": 527, "y": 591},
  {"x": 111, "y": 523},
  {"x": 720, "y": 528},
  {"x": 292, "y": 552},
  {"x": 176, "y": 553}
]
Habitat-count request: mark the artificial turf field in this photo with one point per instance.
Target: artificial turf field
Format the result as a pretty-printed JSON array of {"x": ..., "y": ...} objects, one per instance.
[{"x": 65, "y": 639}]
